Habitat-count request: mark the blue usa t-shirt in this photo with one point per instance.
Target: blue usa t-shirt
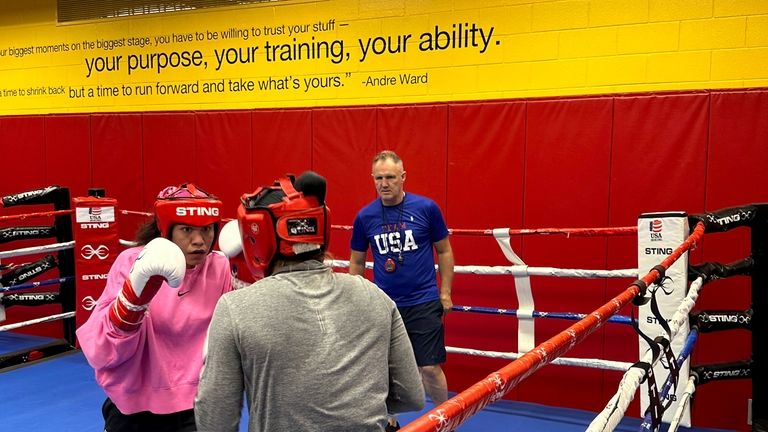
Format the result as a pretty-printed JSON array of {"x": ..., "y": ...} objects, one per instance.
[{"x": 408, "y": 231}]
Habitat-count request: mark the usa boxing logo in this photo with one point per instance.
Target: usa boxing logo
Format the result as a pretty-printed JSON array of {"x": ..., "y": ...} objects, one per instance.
[
  {"x": 88, "y": 252},
  {"x": 655, "y": 227},
  {"x": 94, "y": 217}
]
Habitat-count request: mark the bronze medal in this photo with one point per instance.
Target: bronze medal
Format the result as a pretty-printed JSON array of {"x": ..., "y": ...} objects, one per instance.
[{"x": 389, "y": 265}]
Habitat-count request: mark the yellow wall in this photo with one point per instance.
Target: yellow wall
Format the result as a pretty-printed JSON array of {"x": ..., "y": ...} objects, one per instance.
[{"x": 520, "y": 49}]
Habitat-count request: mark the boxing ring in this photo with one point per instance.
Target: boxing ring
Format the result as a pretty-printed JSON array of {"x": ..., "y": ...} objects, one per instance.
[
  {"x": 61, "y": 394},
  {"x": 17, "y": 287},
  {"x": 54, "y": 388}
]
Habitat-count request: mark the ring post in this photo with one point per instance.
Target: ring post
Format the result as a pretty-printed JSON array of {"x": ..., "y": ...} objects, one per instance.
[
  {"x": 759, "y": 243},
  {"x": 63, "y": 228},
  {"x": 657, "y": 236},
  {"x": 96, "y": 247}
]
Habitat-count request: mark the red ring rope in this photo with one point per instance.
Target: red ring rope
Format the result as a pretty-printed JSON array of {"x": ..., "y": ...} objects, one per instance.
[
  {"x": 586, "y": 232},
  {"x": 39, "y": 214}
]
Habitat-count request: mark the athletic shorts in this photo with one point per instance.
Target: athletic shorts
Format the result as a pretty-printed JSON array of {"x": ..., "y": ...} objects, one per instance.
[
  {"x": 424, "y": 324},
  {"x": 115, "y": 421}
]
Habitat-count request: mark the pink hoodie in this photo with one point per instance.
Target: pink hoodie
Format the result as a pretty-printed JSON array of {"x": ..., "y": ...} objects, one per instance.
[{"x": 157, "y": 367}]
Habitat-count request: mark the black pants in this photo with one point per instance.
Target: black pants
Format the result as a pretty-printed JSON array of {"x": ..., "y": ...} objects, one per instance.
[{"x": 145, "y": 421}]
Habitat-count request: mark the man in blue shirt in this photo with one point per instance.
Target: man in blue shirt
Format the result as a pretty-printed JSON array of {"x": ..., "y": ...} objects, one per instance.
[{"x": 402, "y": 231}]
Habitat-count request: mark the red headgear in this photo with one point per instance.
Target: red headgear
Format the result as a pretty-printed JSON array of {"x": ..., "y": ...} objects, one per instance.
[
  {"x": 187, "y": 205},
  {"x": 283, "y": 220}
]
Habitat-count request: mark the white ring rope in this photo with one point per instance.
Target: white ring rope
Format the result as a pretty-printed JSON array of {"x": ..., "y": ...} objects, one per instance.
[
  {"x": 563, "y": 361},
  {"x": 687, "y": 393},
  {"x": 128, "y": 243},
  {"x": 523, "y": 271},
  {"x": 609, "y": 418},
  {"x": 497, "y": 270},
  {"x": 38, "y": 249},
  {"x": 37, "y": 321},
  {"x": 515, "y": 270}
]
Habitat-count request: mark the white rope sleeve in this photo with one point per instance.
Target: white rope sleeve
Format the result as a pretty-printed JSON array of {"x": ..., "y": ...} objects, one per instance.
[
  {"x": 519, "y": 270},
  {"x": 687, "y": 393},
  {"x": 502, "y": 238},
  {"x": 614, "y": 411},
  {"x": 37, "y": 321},
  {"x": 526, "y": 327},
  {"x": 37, "y": 249},
  {"x": 545, "y": 271},
  {"x": 562, "y": 361}
]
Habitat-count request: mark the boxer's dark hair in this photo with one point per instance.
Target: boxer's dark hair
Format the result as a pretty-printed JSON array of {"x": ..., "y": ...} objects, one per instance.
[{"x": 147, "y": 232}]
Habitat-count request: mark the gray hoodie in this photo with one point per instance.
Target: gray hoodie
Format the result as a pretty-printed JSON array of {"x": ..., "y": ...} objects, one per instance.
[{"x": 312, "y": 350}]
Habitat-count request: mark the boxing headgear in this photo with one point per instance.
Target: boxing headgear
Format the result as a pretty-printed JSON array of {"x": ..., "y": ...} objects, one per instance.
[
  {"x": 187, "y": 205},
  {"x": 285, "y": 219}
]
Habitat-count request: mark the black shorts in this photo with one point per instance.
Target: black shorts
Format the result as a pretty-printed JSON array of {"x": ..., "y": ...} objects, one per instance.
[
  {"x": 145, "y": 421},
  {"x": 424, "y": 324}
]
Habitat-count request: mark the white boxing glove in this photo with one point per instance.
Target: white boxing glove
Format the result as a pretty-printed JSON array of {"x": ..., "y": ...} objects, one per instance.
[
  {"x": 160, "y": 260},
  {"x": 230, "y": 241}
]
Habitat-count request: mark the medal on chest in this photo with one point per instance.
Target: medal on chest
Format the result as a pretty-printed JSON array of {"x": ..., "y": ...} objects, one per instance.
[{"x": 390, "y": 265}]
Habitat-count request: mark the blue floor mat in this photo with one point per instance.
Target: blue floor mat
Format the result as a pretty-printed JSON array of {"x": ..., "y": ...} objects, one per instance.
[{"x": 61, "y": 394}]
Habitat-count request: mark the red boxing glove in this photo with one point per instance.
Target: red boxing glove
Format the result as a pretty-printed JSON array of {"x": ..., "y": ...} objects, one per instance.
[{"x": 160, "y": 261}]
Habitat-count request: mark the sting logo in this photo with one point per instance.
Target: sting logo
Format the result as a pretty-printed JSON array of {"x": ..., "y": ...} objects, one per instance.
[
  {"x": 88, "y": 252},
  {"x": 88, "y": 303}
]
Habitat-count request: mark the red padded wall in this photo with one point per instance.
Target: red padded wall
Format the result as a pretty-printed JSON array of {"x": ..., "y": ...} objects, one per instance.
[
  {"x": 223, "y": 156},
  {"x": 659, "y": 154},
  {"x": 281, "y": 142},
  {"x": 344, "y": 142},
  {"x": 564, "y": 162},
  {"x": 486, "y": 153},
  {"x": 23, "y": 148},
  {"x": 418, "y": 134},
  {"x": 170, "y": 153},
  {"x": 116, "y": 143},
  {"x": 68, "y": 152}
]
